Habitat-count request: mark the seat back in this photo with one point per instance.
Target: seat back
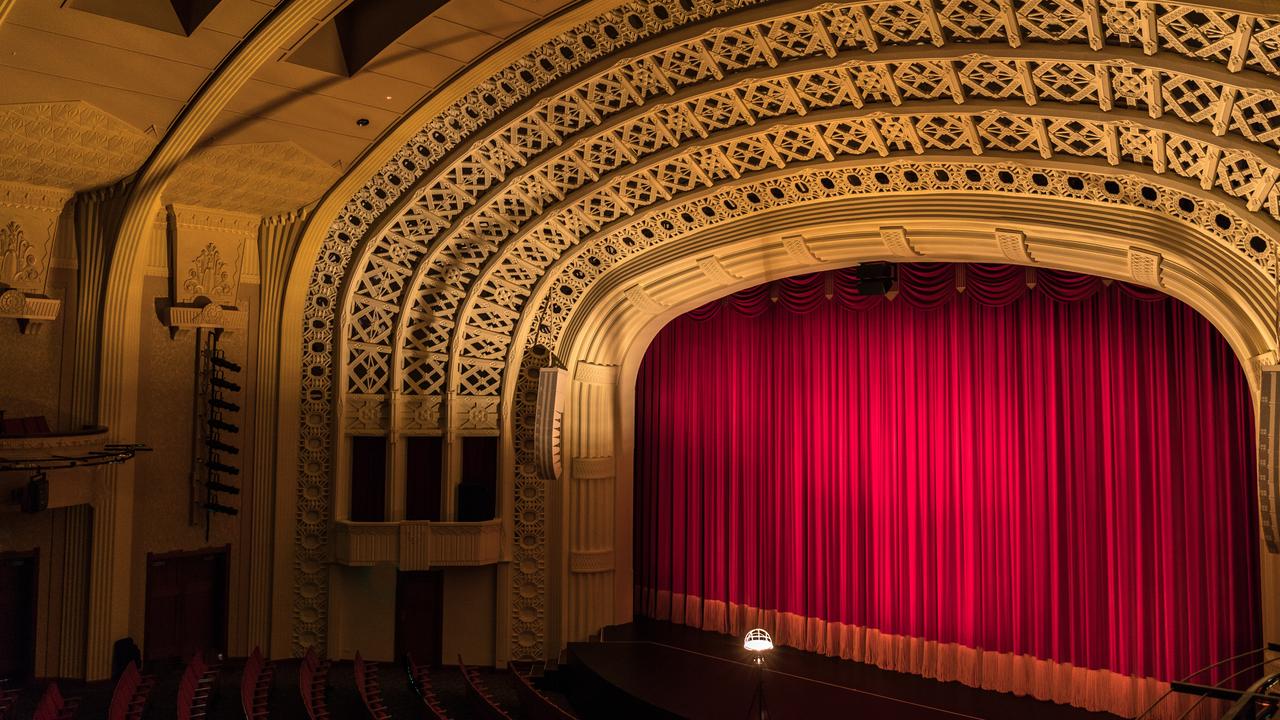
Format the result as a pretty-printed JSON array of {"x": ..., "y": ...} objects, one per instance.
[
  {"x": 122, "y": 696},
  {"x": 481, "y": 699},
  {"x": 536, "y": 705}
]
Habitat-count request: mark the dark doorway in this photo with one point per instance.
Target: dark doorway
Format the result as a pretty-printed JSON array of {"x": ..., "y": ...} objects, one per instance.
[
  {"x": 369, "y": 478},
  {"x": 420, "y": 615},
  {"x": 477, "y": 493},
  {"x": 18, "y": 614},
  {"x": 186, "y": 603},
  {"x": 424, "y": 457}
]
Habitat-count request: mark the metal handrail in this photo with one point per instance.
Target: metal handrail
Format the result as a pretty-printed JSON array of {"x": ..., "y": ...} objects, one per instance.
[{"x": 1273, "y": 647}]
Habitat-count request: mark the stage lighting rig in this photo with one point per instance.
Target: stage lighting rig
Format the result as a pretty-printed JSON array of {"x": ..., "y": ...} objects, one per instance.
[{"x": 213, "y": 430}]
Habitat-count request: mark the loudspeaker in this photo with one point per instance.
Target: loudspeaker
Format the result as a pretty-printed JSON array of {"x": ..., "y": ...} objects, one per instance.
[
  {"x": 875, "y": 278},
  {"x": 475, "y": 503},
  {"x": 1269, "y": 458}
]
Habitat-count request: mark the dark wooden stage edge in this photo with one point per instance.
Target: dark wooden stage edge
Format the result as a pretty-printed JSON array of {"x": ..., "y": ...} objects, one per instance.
[{"x": 650, "y": 669}]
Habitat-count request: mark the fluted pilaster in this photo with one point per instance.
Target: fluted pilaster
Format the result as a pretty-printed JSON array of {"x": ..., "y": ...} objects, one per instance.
[{"x": 276, "y": 237}]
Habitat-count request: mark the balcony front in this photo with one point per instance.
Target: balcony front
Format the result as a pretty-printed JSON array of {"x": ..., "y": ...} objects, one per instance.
[{"x": 418, "y": 544}]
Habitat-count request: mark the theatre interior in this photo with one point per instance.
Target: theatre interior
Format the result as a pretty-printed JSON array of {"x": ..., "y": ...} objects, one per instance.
[{"x": 551, "y": 359}]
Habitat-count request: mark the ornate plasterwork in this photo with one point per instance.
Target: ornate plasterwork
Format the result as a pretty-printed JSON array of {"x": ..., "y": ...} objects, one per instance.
[
  {"x": 259, "y": 178},
  {"x": 71, "y": 145},
  {"x": 1013, "y": 245},
  {"x": 28, "y": 224},
  {"x": 798, "y": 248},
  {"x": 418, "y": 414},
  {"x": 581, "y": 266},
  {"x": 896, "y": 241},
  {"x": 643, "y": 301},
  {"x": 1145, "y": 267},
  {"x": 714, "y": 269},
  {"x": 443, "y": 288},
  {"x": 19, "y": 266},
  {"x": 613, "y": 30},
  {"x": 208, "y": 247}
]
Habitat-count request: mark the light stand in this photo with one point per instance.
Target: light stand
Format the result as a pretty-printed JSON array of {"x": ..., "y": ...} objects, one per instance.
[{"x": 758, "y": 643}]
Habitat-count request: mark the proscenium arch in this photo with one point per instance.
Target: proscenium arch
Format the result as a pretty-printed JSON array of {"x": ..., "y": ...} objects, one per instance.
[
  {"x": 1228, "y": 55},
  {"x": 1093, "y": 229},
  {"x": 613, "y": 325}
]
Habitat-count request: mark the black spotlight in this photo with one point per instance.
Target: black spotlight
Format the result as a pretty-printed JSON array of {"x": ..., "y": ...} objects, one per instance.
[
  {"x": 220, "y": 467},
  {"x": 216, "y": 486},
  {"x": 876, "y": 278},
  {"x": 223, "y": 425},
  {"x": 220, "y": 446},
  {"x": 219, "y": 508},
  {"x": 221, "y": 404}
]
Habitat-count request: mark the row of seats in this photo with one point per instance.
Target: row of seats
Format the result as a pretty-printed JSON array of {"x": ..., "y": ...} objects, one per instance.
[
  {"x": 129, "y": 698},
  {"x": 196, "y": 687},
  {"x": 537, "y": 706},
  {"x": 255, "y": 686},
  {"x": 420, "y": 681},
  {"x": 132, "y": 690},
  {"x": 53, "y": 706},
  {"x": 313, "y": 680},
  {"x": 369, "y": 685},
  {"x": 8, "y": 698},
  {"x": 484, "y": 702}
]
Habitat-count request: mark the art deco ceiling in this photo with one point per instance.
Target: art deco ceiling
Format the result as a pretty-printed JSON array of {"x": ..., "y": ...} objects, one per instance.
[{"x": 89, "y": 87}]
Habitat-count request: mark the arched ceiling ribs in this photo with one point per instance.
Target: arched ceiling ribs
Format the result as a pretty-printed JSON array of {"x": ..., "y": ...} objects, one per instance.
[
  {"x": 832, "y": 30},
  {"x": 454, "y": 210},
  {"x": 751, "y": 97},
  {"x": 493, "y": 293}
]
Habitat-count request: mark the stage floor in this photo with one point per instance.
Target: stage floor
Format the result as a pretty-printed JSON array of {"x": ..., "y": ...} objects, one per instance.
[{"x": 696, "y": 674}]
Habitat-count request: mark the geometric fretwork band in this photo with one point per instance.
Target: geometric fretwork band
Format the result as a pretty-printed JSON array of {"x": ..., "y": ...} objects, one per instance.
[{"x": 1268, "y": 452}]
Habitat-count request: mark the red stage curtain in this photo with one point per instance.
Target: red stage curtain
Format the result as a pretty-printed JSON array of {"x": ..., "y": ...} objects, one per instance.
[{"x": 1047, "y": 491}]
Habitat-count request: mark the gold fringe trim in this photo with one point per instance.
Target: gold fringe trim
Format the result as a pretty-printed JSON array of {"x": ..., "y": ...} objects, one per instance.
[{"x": 1063, "y": 683}]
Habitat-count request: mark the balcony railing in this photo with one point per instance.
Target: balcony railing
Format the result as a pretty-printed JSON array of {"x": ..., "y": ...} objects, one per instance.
[{"x": 418, "y": 544}]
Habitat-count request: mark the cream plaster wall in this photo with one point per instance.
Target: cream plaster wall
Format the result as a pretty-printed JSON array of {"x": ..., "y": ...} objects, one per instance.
[
  {"x": 470, "y": 614},
  {"x": 161, "y": 520},
  {"x": 364, "y": 608},
  {"x": 33, "y": 366}
]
